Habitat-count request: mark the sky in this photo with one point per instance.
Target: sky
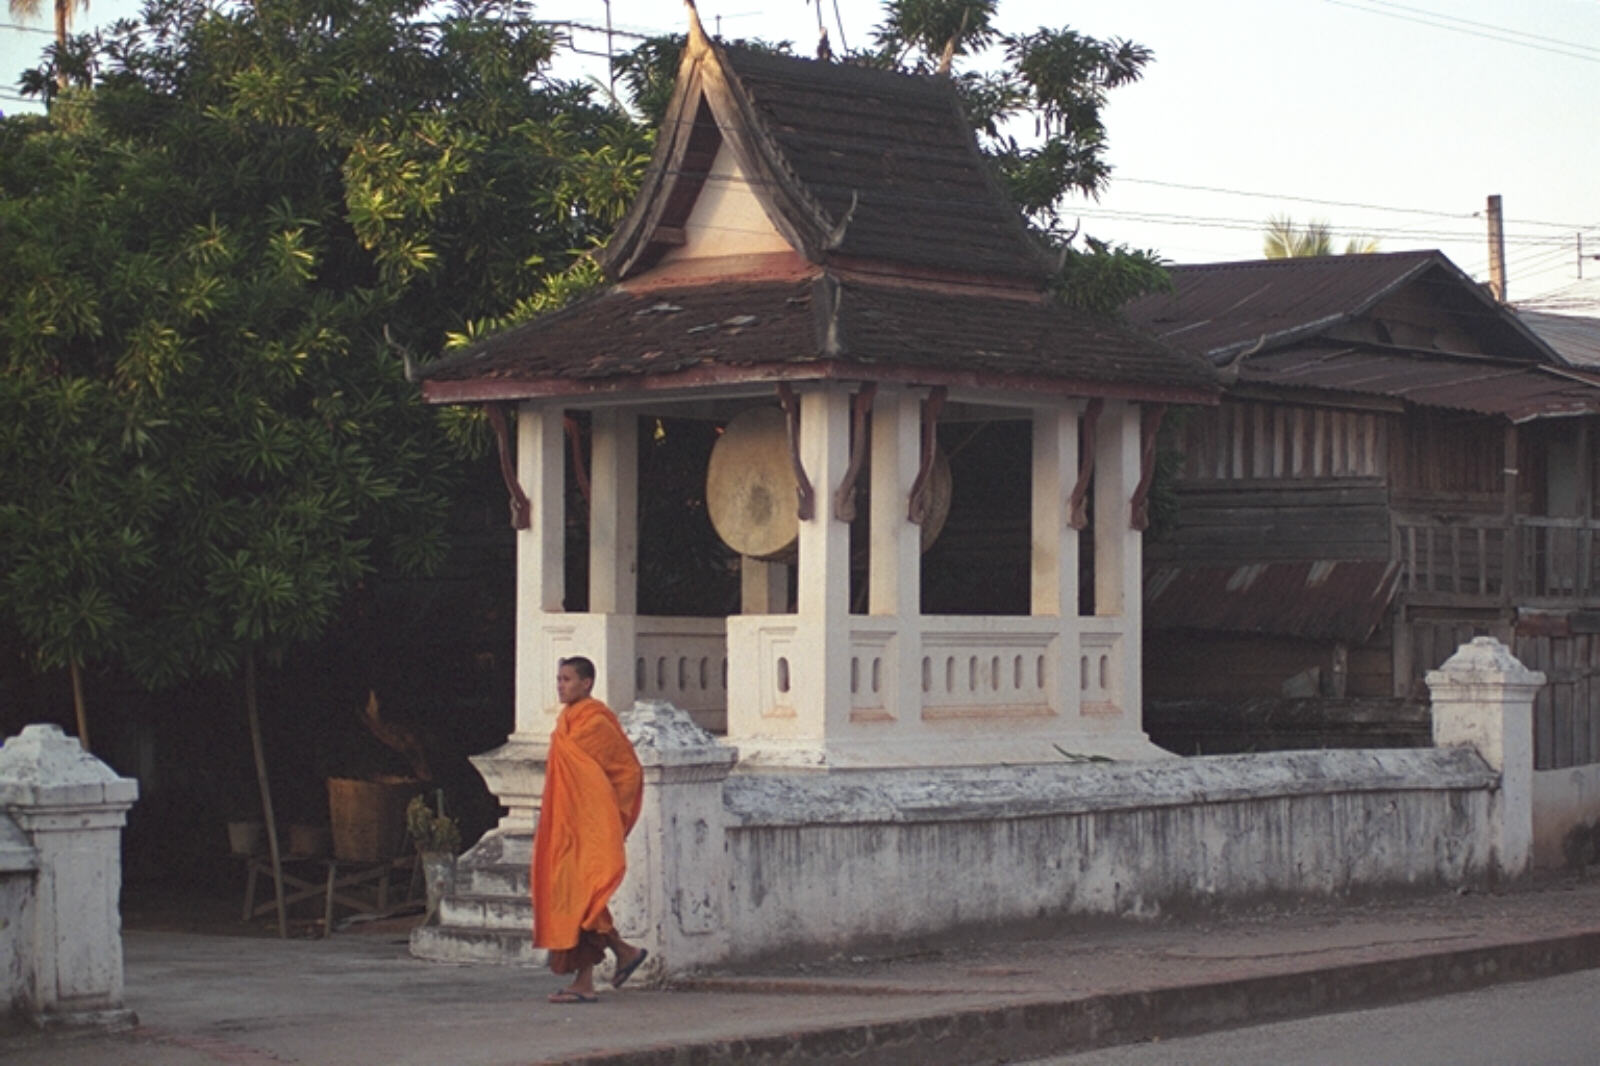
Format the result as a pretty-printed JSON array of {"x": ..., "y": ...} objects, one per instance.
[{"x": 1387, "y": 120}]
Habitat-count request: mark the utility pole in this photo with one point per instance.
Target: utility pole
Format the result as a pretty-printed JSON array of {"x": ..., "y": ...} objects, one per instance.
[{"x": 1497, "y": 250}]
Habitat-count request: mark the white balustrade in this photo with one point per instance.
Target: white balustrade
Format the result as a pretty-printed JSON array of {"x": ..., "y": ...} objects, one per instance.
[
  {"x": 684, "y": 662},
  {"x": 1099, "y": 668}
]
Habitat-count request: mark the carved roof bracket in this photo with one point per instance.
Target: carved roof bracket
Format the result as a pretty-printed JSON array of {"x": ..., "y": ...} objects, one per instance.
[
  {"x": 521, "y": 512},
  {"x": 580, "y": 473},
  {"x": 917, "y": 504},
  {"x": 807, "y": 497},
  {"x": 1077, "y": 511},
  {"x": 844, "y": 500},
  {"x": 1149, "y": 426}
]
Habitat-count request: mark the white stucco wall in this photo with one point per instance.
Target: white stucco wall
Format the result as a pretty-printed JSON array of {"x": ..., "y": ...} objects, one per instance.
[
  {"x": 1562, "y": 799},
  {"x": 820, "y": 862}
]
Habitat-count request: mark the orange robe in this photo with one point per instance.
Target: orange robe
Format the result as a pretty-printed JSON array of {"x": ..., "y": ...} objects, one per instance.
[{"x": 593, "y": 790}]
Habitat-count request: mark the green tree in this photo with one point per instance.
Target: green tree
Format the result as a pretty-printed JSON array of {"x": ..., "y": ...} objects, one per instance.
[
  {"x": 1285, "y": 240},
  {"x": 206, "y": 256},
  {"x": 24, "y": 10}
]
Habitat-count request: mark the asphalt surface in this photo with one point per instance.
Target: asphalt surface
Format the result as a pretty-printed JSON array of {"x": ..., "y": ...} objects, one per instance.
[{"x": 358, "y": 997}]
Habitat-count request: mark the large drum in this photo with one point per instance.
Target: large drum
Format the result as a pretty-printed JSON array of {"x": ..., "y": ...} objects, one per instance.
[{"x": 751, "y": 491}]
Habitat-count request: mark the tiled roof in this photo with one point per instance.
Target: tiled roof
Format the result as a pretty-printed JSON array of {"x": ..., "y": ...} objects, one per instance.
[
  {"x": 894, "y": 154},
  {"x": 793, "y": 328},
  {"x": 851, "y": 164}
]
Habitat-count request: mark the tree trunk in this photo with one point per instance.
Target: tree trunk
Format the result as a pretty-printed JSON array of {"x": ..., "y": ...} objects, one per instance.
[
  {"x": 252, "y": 711},
  {"x": 76, "y": 673},
  {"x": 63, "y": 13}
]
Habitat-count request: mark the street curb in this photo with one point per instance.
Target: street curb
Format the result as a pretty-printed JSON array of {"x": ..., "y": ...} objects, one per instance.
[{"x": 1047, "y": 1027}]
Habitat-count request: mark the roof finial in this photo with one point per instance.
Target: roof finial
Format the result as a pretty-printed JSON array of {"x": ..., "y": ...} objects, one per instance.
[
  {"x": 697, "y": 32},
  {"x": 824, "y": 50}
]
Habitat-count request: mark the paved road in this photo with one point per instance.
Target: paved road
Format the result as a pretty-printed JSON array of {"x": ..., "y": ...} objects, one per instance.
[{"x": 1554, "y": 1022}]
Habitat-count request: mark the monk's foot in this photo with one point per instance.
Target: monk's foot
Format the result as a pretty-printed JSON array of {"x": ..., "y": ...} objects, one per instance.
[
  {"x": 574, "y": 995},
  {"x": 626, "y": 964}
]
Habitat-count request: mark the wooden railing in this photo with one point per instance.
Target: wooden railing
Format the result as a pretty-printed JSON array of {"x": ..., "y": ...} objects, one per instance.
[{"x": 1466, "y": 560}]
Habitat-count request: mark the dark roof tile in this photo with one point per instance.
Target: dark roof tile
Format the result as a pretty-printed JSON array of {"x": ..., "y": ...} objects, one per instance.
[{"x": 776, "y": 324}]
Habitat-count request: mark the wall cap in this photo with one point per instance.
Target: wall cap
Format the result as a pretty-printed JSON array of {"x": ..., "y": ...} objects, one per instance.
[{"x": 43, "y": 767}]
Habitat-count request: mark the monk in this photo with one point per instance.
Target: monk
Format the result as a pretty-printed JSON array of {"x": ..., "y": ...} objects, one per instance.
[{"x": 593, "y": 789}]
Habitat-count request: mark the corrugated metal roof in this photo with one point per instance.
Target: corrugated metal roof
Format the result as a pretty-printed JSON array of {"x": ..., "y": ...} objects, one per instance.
[
  {"x": 1220, "y": 309},
  {"x": 1325, "y": 600},
  {"x": 1576, "y": 338},
  {"x": 1516, "y": 391}
]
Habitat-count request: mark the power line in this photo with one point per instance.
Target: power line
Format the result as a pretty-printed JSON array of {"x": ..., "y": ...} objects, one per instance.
[
  {"x": 1459, "y": 215},
  {"x": 25, "y": 29},
  {"x": 1443, "y": 25},
  {"x": 1558, "y": 42}
]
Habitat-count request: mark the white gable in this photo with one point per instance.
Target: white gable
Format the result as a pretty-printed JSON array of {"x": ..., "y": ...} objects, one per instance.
[{"x": 727, "y": 219}]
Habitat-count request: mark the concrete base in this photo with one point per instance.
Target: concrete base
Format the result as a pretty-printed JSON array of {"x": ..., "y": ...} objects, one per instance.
[
  {"x": 110, "y": 1021},
  {"x": 488, "y": 917}
]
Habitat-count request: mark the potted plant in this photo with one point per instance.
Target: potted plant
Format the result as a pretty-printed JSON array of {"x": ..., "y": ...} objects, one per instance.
[{"x": 437, "y": 837}]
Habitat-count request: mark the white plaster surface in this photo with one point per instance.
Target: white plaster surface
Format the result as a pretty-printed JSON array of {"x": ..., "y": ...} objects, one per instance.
[
  {"x": 1483, "y": 697},
  {"x": 727, "y": 218},
  {"x": 822, "y": 861},
  {"x": 674, "y": 897},
  {"x": 66, "y": 953},
  {"x": 1562, "y": 800}
]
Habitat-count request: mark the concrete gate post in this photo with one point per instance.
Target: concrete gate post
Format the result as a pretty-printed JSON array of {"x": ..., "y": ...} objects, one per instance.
[
  {"x": 1482, "y": 696},
  {"x": 71, "y": 807},
  {"x": 674, "y": 897}
]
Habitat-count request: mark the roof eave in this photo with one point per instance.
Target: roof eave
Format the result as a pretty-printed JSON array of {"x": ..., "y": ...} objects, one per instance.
[{"x": 503, "y": 390}]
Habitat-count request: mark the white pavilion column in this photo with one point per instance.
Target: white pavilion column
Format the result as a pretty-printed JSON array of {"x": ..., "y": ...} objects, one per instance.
[
  {"x": 541, "y": 563},
  {"x": 894, "y": 560},
  {"x": 1055, "y": 543},
  {"x": 613, "y": 554},
  {"x": 820, "y": 671},
  {"x": 514, "y": 771},
  {"x": 1118, "y": 550}
]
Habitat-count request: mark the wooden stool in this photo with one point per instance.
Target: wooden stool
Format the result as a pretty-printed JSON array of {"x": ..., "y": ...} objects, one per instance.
[{"x": 348, "y": 879}]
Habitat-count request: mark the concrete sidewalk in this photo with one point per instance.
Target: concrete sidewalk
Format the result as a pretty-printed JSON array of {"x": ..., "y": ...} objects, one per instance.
[{"x": 360, "y": 998}]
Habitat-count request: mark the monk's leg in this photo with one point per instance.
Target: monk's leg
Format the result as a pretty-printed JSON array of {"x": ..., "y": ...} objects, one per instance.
[{"x": 579, "y": 961}]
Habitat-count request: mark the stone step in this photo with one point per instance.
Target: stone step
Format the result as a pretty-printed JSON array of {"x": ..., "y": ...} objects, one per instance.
[
  {"x": 500, "y": 879},
  {"x": 450, "y": 943},
  {"x": 473, "y": 911}
]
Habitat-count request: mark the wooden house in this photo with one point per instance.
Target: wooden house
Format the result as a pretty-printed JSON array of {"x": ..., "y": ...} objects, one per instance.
[{"x": 1399, "y": 463}]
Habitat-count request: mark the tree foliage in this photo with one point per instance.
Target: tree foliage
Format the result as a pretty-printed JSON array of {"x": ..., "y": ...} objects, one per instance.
[
  {"x": 208, "y": 440},
  {"x": 1285, "y": 240}
]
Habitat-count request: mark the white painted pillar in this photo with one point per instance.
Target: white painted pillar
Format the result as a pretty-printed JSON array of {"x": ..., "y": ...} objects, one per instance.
[
  {"x": 674, "y": 897},
  {"x": 1117, "y": 545},
  {"x": 894, "y": 563},
  {"x": 1054, "y": 568},
  {"x": 821, "y": 670},
  {"x": 514, "y": 771},
  {"x": 71, "y": 808},
  {"x": 612, "y": 639},
  {"x": 894, "y": 543},
  {"x": 1118, "y": 552},
  {"x": 541, "y": 562},
  {"x": 1055, "y": 542},
  {"x": 614, "y": 512},
  {"x": 1482, "y": 696}
]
